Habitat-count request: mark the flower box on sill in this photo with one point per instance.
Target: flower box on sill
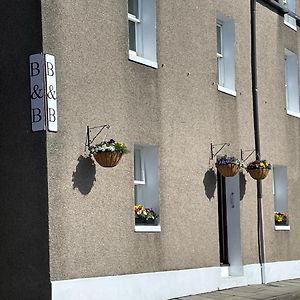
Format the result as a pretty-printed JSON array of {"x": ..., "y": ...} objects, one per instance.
[
  {"x": 139, "y": 221},
  {"x": 145, "y": 216},
  {"x": 281, "y": 219}
]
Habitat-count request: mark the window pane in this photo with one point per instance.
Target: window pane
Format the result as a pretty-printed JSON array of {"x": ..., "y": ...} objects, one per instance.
[
  {"x": 133, "y": 7},
  {"x": 219, "y": 39},
  {"x": 132, "y": 42},
  {"x": 137, "y": 165}
]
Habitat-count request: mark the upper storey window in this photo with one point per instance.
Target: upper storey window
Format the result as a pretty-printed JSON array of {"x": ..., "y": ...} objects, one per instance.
[
  {"x": 291, "y": 83},
  {"x": 225, "y": 54},
  {"x": 288, "y": 20},
  {"x": 142, "y": 31}
]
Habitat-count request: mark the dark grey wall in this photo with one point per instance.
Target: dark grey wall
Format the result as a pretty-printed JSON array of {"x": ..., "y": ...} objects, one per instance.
[{"x": 24, "y": 260}]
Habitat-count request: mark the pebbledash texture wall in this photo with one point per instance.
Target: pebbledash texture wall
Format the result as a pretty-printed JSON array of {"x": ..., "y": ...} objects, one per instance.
[{"x": 176, "y": 107}]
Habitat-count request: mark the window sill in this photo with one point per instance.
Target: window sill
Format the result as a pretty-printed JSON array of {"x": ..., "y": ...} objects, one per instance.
[
  {"x": 141, "y": 60},
  {"x": 147, "y": 228},
  {"x": 293, "y": 113},
  {"x": 292, "y": 26},
  {"x": 282, "y": 228},
  {"x": 226, "y": 90}
]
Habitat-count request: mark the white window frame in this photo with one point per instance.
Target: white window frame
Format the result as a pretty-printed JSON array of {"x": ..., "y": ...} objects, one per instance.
[
  {"x": 288, "y": 20},
  {"x": 145, "y": 34},
  {"x": 282, "y": 200},
  {"x": 226, "y": 59},
  {"x": 220, "y": 54},
  {"x": 291, "y": 83},
  {"x": 149, "y": 175}
]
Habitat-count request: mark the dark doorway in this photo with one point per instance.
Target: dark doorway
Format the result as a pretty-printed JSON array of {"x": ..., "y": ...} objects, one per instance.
[{"x": 222, "y": 215}]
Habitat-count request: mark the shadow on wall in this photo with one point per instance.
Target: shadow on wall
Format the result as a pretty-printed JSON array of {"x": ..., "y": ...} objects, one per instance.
[
  {"x": 210, "y": 183},
  {"x": 84, "y": 176},
  {"x": 242, "y": 185}
]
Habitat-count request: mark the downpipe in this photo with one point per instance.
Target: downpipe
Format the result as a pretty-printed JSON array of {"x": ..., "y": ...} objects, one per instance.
[{"x": 260, "y": 223}]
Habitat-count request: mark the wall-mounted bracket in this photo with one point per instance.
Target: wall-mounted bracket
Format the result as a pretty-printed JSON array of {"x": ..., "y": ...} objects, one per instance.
[
  {"x": 246, "y": 151},
  {"x": 89, "y": 139},
  {"x": 220, "y": 147}
]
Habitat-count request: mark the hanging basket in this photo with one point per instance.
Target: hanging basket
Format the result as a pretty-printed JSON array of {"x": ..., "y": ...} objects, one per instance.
[
  {"x": 228, "y": 170},
  {"x": 258, "y": 174},
  {"x": 108, "y": 159}
]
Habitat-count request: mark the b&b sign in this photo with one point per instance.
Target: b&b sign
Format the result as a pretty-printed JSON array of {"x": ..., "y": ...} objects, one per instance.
[{"x": 43, "y": 92}]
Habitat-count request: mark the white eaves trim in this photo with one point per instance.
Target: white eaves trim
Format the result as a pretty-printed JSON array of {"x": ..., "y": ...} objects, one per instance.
[
  {"x": 292, "y": 113},
  {"x": 226, "y": 91},
  {"x": 147, "y": 228},
  {"x": 141, "y": 60},
  {"x": 283, "y": 228}
]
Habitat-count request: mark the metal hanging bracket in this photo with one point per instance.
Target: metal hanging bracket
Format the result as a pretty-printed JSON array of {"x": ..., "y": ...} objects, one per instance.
[
  {"x": 220, "y": 146},
  {"x": 89, "y": 139},
  {"x": 246, "y": 151}
]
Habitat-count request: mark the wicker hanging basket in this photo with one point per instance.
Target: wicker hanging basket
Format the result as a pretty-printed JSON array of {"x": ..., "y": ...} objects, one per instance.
[
  {"x": 228, "y": 170},
  {"x": 108, "y": 159},
  {"x": 258, "y": 174}
]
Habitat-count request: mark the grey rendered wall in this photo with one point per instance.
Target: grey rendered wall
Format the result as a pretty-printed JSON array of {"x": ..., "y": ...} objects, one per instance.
[
  {"x": 176, "y": 107},
  {"x": 23, "y": 179},
  {"x": 280, "y": 134}
]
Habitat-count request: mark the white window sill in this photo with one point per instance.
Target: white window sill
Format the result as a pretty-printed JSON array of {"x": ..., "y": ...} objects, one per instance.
[
  {"x": 290, "y": 25},
  {"x": 226, "y": 90},
  {"x": 282, "y": 228},
  {"x": 141, "y": 60},
  {"x": 147, "y": 228},
  {"x": 293, "y": 113}
]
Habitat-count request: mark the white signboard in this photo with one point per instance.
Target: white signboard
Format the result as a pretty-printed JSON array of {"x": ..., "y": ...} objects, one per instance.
[
  {"x": 36, "y": 65},
  {"x": 51, "y": 92}
]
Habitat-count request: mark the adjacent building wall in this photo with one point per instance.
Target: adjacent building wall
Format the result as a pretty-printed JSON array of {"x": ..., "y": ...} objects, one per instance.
[{"x": 24, "y": 194}]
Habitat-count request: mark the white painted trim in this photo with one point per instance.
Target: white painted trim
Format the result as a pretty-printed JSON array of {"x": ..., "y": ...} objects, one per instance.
[
  {"x": 141, "y": 60},
  {"x": 168, "y": 285},
  {"x": 293, "y": 113},
  {"x": 282, "y": 228},
  {"x": 290, "y": 25},
  {"x": 251, "y": 275},
  {"x": 133, "y": 18},
  {"x": 224, "y": 271},
  {"x": 226, "y": 91},
  {"x": 282, "y": 270},
  {"x": 147, "y": 228}
]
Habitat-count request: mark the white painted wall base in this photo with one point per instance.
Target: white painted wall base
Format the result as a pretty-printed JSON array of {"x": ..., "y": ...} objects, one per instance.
[
  {"x": 252, "y": 275},
  {"x": 146, "y": 286},
  {"x": 282, "y": 270},
  {"x": 169, "y": 284}
]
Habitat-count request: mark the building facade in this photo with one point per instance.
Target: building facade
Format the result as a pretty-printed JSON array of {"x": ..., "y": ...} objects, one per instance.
[{"x": 173, "y": 81}]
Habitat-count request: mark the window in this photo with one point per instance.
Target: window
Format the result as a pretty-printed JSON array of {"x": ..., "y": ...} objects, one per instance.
[
  {"x": 288, "y": 20},
  {"x": 142, "y": 31},
  {"x": 280, "y": 193},
  {"x": 225, "y": 32},
  {"x": 146, "y": 179},
  {"x": 291, "y": 84}
]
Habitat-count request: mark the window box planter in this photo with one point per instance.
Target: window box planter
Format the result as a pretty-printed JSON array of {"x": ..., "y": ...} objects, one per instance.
[
  {"x": 281, "y": 219},
  {"x": 139, "y": 221},
  {"x": 144, "y": 216}
]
